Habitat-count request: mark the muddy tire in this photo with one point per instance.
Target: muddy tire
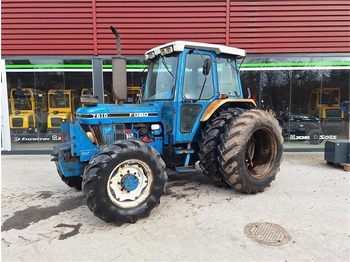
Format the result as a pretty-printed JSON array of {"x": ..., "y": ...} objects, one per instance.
[
  {"x": 210, "y": 139},
  {"x": 124, "y": 181},
  {"x": 314, "y": 135},
  {"x": 250, "y": 151}
]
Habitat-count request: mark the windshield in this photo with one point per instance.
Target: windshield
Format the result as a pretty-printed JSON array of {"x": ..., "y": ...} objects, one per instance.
[
  {"x": 21, "y": 99},
  {"x": 59, "y": 100},
  {"x": 329, "y": 97},
  {"x": 161, "y": 78}
]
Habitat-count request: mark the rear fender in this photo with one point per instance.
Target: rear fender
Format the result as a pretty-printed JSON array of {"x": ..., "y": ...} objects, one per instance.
[{"x": 240, "y": 102}]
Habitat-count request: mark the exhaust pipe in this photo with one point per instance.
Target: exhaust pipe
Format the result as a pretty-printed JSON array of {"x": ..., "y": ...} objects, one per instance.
[{"x": 118, "y": 72}]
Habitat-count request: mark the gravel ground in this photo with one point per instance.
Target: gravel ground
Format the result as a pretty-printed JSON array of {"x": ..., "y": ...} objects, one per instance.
[{"x": 44, "y": 220}]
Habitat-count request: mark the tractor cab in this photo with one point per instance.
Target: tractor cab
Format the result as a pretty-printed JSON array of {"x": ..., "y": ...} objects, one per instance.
[{"x": 189, "y": 81}]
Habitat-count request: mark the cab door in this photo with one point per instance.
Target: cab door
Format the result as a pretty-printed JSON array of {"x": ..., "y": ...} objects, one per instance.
[{"x": 197, "y": 93}]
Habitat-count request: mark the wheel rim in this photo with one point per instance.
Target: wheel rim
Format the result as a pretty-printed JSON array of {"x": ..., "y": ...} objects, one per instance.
[
  {"x": 261, "y": 153},
  {"x": 129, "y": 184}
]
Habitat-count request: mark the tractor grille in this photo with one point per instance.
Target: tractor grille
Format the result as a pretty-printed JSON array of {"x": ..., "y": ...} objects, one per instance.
[
  {"x": 95, "y": 130},
  {"x": 56, "y": 122},
  {"x": 17, "y": 122},
  {"x": 333, "y": 113},
  {"x": 120, "y": 132}
]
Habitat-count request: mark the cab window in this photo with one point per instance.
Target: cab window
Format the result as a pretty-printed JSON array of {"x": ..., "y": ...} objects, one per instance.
[
  {"x": 227, "y": 77},
  {"x": 197, "y": 85}
]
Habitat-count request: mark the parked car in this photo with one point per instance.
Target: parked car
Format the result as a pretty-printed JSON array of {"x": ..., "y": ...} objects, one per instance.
[{"x": 300, "y": 127}]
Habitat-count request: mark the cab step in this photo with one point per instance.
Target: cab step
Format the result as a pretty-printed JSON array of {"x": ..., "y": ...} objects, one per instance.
[
  {"x": 184, "y": 151},
  {"x": 185, "y": 169}
]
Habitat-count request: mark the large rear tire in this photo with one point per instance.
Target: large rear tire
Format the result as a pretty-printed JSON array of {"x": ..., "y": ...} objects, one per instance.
[
  {"x": 210, "y": 139},
  {"x": 250, "y": 151},
  {"x": 124, "y": 181}
]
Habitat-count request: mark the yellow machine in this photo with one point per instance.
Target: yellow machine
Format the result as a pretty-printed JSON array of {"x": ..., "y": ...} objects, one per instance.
[
  {"x": 62, "y": 106},
  {"x": 132, "y": 93},
  {"x": 107, "y": 95},
  {"x": 325, "y": 104},
  {"x": 28, "y": 112}
]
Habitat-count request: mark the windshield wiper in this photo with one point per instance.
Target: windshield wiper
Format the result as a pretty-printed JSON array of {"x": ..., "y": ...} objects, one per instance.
[
  {"x": 239, "y": 68},
  {"x": 204, "y": 82},
  {"x": 166, "y": 66}
]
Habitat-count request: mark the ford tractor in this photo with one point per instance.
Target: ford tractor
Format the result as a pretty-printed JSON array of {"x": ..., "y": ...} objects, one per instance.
[{"x": 191, "y": 113}]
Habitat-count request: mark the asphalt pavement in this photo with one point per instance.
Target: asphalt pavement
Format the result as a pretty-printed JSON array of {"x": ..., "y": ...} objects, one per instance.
[{"x": 303, "y": 216}]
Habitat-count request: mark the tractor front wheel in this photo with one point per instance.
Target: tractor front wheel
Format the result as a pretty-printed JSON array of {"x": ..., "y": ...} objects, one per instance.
[
  {"x": 250, "y": 151},
  {"x": 74, "y": 181},
  {"x": 124, "y": 181}
]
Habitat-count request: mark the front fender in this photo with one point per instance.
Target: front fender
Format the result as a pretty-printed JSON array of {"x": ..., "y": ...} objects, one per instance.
[{"x": 67, "y": 165}]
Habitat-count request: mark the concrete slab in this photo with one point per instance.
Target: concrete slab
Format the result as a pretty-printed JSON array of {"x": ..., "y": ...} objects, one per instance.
[{"x": 44, "y": 220}]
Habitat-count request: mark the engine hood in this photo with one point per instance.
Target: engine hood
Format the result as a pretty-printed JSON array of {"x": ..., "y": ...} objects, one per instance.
[{"x": 117, "y": 114}]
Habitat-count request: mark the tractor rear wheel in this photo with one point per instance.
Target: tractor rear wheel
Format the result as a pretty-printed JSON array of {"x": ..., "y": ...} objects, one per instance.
[
  {"x": 124, "y": 181},
  {"x": 210, "y": 139},
  {"x": 250, "y": 151}
]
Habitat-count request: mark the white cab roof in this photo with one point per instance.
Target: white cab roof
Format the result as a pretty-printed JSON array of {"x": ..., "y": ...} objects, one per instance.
[{"x": 179, "y": 46}]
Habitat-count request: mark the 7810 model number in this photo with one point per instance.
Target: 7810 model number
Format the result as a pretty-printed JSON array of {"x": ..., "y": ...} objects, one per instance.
[{"x": 100, "y": 115}]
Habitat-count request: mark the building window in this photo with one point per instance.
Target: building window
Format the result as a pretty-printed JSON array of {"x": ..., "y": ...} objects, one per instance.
[
  {"x": 311, "y": 102},
  {"x": 309, "y": 96}
]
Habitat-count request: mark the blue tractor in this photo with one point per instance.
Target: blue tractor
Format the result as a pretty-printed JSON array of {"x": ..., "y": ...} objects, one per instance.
[{"x": 191, "y": 110}]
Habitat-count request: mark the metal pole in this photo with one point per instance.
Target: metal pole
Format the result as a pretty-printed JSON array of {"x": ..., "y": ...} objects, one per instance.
[
  {"x": 5, "y": 121},
  {"x": 97, "y": 78}
]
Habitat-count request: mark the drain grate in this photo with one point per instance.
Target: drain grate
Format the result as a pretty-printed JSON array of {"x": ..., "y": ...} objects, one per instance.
[{"x": 267, "y": 233}]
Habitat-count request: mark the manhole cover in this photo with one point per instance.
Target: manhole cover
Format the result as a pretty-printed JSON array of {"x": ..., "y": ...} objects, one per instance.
[{"x": 267, "y": 233}]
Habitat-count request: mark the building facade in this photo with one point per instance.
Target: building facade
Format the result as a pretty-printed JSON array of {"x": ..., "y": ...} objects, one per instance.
[{"x": 297, "y": 66}]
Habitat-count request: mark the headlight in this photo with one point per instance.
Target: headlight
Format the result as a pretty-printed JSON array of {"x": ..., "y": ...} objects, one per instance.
[
  {"x": 91, "y": 137},
  {"x": 151, "y": 55},
  {"x": 166, "y": 50}
]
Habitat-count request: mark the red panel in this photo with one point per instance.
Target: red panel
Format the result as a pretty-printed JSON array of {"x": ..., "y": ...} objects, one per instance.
[
  {"x": 290, "y": 26},
  {"x": 81, "y": 27},
  {"x": 289, "y": 30},
  {"x": 45, "y": 27},
  {"x": 144, "y": 24},
  {"x": 282, "y": 4},
  {"x": 282, "y": 35}
]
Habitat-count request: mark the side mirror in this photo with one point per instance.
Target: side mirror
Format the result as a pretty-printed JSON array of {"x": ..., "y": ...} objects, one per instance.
[{"x": 206, "y": 66}]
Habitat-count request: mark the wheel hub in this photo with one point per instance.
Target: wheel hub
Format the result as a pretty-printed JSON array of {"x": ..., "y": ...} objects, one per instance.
[{"x": 130, "y": 182}]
